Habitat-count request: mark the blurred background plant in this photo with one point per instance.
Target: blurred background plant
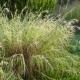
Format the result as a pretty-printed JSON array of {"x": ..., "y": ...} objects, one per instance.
[
  {"x": 29, "y": 5},
  {"x": 74, "y": 13}
]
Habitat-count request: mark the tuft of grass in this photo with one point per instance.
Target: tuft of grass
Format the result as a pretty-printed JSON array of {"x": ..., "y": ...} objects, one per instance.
[{"x": 36, "y": 50}]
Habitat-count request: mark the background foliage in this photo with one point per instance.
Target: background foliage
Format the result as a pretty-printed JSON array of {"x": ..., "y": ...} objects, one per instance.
[{"x": 31, "y": 5}]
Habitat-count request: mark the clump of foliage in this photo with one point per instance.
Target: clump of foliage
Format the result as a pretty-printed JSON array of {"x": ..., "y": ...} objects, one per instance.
[{"x": 36, "y": 49}]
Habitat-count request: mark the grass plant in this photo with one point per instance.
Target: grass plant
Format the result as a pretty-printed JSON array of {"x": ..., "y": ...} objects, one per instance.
[{"x": 36, "y": 50}]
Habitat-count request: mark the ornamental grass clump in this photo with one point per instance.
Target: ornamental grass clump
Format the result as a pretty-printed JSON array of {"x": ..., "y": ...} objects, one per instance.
[{"x": 36, "y": 49}]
